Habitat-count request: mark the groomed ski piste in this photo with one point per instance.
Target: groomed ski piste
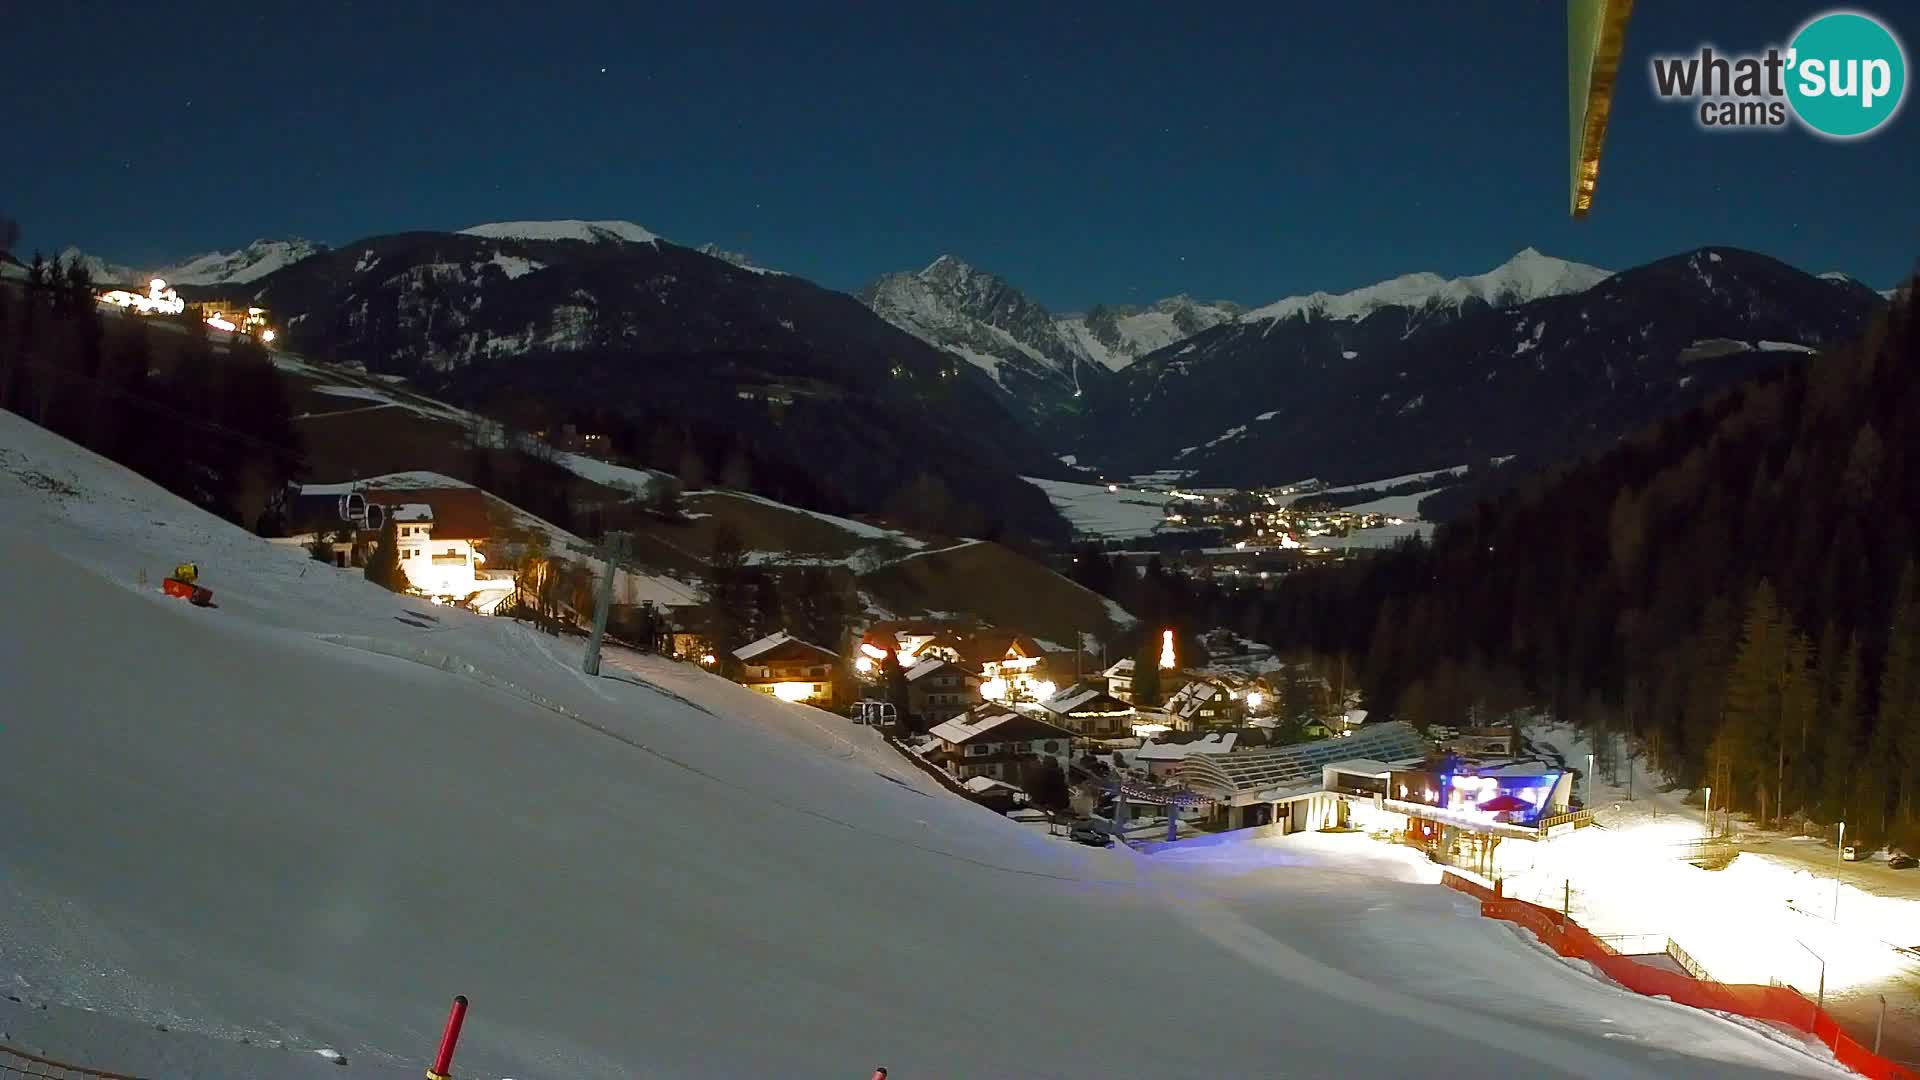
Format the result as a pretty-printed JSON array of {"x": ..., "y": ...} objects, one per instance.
[{"x": 240, "y": 836}]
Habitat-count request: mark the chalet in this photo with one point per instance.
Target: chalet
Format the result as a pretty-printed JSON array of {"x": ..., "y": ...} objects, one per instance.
[
  {"x": 996, "y": 794},
  {"x": 1204, "y": 703},
  {"x": 1120, "y": 680},
  {"x": 789, "y": 669},
  {"x": 1014, "y": 664},
  {"x": 996, "y": 742},
  {"x": 440, "y": 533},
  {"x": 1085, "y": 709},
  {"x": 938, "y": 690},
  {"x": 909, "y": 637}
]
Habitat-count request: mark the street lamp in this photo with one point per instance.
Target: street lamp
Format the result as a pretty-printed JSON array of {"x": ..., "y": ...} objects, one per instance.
[
  {"x": 1589, "y": 781},
  {"x": 1706, "y": 812},
  {"x": 1843, "y": 842}
]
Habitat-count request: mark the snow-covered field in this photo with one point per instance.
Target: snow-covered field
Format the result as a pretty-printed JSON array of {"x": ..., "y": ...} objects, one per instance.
[
  {"x": 1093, "y": 510},
  {"x": 309, "y": 816},
  {"x": 1764, "y": 916}
]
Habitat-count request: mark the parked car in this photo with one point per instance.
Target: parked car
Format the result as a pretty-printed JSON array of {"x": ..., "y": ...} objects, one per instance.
[
  {"x": 1900, "y": 861},
  {"x": 1087, "y": 833},
  {"x": 1850, "y": 853}
]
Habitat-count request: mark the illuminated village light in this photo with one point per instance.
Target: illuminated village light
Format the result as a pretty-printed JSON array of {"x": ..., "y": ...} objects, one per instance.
[
  {"x": 1166, "y": 648},
  {"x": 863, "y": 664},
  {"x": 158, "y": 300},
  {"x": 994, "y": 689},
  {"x": 792, "y": 691},
  {"x": 873, "y": 651},
  {"x": 1254, "y": 698}
]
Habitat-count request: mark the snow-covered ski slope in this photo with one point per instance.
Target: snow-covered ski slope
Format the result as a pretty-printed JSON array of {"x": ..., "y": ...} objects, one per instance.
[{"x": 299, "y": 818}]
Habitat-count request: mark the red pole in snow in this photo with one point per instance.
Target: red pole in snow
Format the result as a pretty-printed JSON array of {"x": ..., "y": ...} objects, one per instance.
[{"x": 443, "y": 1064}]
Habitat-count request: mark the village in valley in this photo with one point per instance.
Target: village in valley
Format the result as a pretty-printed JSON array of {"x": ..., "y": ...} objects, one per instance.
[{"x": 1137, "y": 736}]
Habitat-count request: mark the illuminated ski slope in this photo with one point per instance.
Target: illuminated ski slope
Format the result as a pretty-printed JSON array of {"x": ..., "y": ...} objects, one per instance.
[{"x": 241, "y": 822}]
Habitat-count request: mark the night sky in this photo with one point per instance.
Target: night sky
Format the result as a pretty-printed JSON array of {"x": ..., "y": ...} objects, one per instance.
[{"x": 1088, "y": 152}]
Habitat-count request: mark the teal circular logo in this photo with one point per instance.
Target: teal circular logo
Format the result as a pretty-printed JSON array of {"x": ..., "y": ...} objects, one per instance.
[{"x": 1846, "y": 74}]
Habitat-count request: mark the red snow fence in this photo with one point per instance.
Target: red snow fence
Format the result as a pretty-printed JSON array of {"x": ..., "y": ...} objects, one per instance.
[
  {"x": 17, "y": 1062},
  {"x": 1775, "y": 1004}
]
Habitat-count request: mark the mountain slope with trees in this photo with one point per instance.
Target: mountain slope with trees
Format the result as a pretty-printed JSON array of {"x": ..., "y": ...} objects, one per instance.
[
  {"x": 1410, "y": 382},
  {"x": 684, "y": 362},
  {"x": 1734, "y": 586}
]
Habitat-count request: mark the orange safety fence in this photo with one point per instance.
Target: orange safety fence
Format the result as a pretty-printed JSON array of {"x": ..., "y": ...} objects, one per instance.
[
  {"x": 1779, "y": 1004},
  {"x": 17, "y": 1062}
]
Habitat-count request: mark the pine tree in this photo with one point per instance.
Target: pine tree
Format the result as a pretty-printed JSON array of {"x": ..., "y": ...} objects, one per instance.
[
  {"x": 895, "y": 678},
  {"x": 1046, "y": 785},
  {"x": 1899, "y": 714},
  {"x": 383, "y": 568},
  {"x": 769, "y": 607},
  {"x": 1146, "y": 675},
  {"x": 1842, "y": 724},
  {"x": 1749, "y": 712},
  {"x": 729, "y": 595}
]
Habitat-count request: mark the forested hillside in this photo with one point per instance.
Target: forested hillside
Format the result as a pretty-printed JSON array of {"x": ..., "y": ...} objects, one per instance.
[
  {"x": 207, "y": 420},
  {"x": 1735, "y": 586}
]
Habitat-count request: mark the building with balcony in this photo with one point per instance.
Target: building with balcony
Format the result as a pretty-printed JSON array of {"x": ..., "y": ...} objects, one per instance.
[{"x": 790, "y": 669}]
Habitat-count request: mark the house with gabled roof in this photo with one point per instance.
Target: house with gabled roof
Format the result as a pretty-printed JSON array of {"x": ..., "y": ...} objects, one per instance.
[
  {"x": 1204, "y": 703},
  {"x": 997, "y": 742},
  {"x": 1086, "y": 709},
  {"x": 938, "y": 690},
  {"x": 790, "y": 669}
]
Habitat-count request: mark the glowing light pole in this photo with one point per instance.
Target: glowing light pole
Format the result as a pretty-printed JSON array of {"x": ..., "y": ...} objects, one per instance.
[
  {"x": 1706, "y": 812},
  {"x": 1841, "y": 849}
]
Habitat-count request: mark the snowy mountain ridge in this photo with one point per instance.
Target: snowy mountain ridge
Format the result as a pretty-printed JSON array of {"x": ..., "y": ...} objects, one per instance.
[
  {"x": 1117, "y": 336},
  {"x": 988, "y": 322},
  {"x": 592, "y": 232},
  {"x": 250, "y": 263},
  {"x": 1529, "y": 275}
]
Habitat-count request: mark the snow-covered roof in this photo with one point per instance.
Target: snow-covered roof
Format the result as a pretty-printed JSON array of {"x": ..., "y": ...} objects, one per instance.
[
  {"x": 926, "y": 667},
  {"x": 1360, "y": 766},
  {"x": 1188, "y": 699},
  {"x": 980, "y": 785},
  {"x": 1122, "y": 669},
  {"x": 1279, "y": 767},
  {"x": 593, "y": 232},
  {"x": 1075, "y": 698},
  {"x": 764, "y": 645},
  {"x": 1216, "y": 743},
  {"x": 412, "y": 512},
  {"x": 1004, "y": 725}
]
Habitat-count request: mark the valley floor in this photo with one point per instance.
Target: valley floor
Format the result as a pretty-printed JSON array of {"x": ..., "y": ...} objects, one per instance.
[{"x": 303, "y": 821}]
